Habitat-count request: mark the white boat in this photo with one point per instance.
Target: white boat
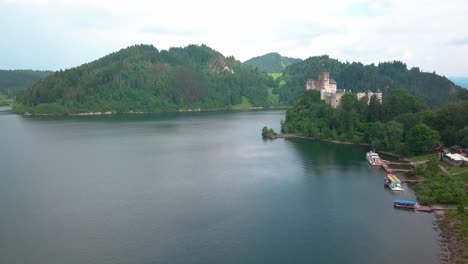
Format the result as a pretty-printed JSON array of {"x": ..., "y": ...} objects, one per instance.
[
  {"x": 373, "y": 158},
  {"x": 393, "y": 182}
]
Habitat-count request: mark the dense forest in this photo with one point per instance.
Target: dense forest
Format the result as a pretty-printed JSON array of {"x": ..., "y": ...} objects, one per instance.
[
  {"x": 14, "y": 81},
  {"x": 271, "y": 62},
  {"x": 402, "y": 123},
  {"x": 386, "y": 76},
  {"x": 142, "y": 78}
]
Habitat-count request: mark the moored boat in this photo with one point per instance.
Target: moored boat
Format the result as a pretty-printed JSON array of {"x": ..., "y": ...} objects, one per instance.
[
  {"x": 393, "y": 182},
  {"x": 405, "y": 204},
  {"x": 373, "y": 158}
]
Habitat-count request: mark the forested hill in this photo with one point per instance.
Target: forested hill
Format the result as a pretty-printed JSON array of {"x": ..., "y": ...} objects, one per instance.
[
  {"x": 142, "y": 78},
  {"x": 387, "y": 76},
  {"x": 14, "y": 81},
  {"x": 271, "y": 62}
]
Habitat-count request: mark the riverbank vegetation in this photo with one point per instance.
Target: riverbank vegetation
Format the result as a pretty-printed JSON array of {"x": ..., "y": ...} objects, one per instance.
[
  {"x": 439, "y": 187},
  {"x": 268, "y": 133},
  {"x": 402, "y": 123}
]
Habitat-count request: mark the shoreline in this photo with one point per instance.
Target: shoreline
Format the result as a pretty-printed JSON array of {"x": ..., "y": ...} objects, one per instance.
[
  {"x": 290, "y": 135},
  {"x": 450, "y": 244},
  {"x": 132, "y": 112}
]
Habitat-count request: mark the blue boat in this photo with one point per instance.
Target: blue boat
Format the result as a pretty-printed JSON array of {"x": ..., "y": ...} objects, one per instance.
[{"x": 405, "y": 204}]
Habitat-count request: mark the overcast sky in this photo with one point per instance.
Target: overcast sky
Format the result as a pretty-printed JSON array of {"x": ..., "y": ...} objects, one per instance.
[{"x": 53, "y": 34}]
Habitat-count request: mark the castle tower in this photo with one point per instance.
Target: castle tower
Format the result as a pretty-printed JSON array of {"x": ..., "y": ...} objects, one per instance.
[
  {"x": 332, "y": 86},
  {"x": 325, "y": 81}
]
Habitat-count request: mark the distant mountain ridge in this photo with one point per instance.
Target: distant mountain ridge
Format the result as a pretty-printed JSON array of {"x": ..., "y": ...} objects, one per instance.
[
  {"x": 141, "y": 78},
  {"x": 14, "y": 81},
  {"x": 271, "y": 62}
]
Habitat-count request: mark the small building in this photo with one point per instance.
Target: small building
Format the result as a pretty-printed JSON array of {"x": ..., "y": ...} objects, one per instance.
[
  {"x": 456, "y": 148},
  {"x": 455, "y": 159}
]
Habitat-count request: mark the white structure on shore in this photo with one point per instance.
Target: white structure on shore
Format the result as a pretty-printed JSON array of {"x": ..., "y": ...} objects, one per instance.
[{"x": 331, "y": 95}]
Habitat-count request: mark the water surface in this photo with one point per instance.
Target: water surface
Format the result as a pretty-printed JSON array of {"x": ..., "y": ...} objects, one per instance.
[{"x": 194, "y": 188}]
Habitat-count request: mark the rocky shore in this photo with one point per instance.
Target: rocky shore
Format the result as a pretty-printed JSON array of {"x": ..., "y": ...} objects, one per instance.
[{"x": 452, "y": 245}]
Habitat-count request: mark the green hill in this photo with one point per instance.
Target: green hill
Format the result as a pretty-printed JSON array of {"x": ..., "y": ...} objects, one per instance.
[
  {"x": 271, "y": 62},
  {"x": 387, "y": 76},
  {"x": 142, "y": 78},
  {"x": 14, "y": 81}
]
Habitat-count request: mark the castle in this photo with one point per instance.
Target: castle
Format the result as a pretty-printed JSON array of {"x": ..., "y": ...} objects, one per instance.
[
  {"x": 331, "y": 95},
  {"x": 369, "y": 94}
]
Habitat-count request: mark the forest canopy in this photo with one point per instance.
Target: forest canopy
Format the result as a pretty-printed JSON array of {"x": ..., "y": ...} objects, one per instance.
[
  {"x": 142, "y": 78},
  {"x": 355, "y": 76}
]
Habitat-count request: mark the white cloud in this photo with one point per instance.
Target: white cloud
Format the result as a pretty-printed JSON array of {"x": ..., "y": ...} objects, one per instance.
[{"x": 366, "y": 31}]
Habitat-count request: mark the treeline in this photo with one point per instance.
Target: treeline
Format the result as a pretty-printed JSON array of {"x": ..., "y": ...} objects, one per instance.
[
  {"x": 142, "y": 78},
  {"x": 402, "y": 123},
  {"x": 387, "y": 76},
  {"x": 14, "y": 81}
]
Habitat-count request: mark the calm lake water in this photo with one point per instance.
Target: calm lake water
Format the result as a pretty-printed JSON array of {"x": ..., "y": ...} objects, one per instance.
[{"x": 195, "y": 188}]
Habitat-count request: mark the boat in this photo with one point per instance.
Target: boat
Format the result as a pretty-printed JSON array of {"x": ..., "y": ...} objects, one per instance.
[
  {"x": 373, "y": 158},
  {"x": 393, "y": 182},
  {"x": 405, "y": 204}
]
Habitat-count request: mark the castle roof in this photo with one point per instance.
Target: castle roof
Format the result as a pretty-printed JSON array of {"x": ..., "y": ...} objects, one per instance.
[{"x": 332, "y": 81}]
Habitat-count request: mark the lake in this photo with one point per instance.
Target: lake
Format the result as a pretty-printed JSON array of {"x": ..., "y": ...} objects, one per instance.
[{"x": 195, "y": 188}]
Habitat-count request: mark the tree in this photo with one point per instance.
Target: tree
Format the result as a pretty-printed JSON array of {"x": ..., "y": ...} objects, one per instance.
[
  {"x": 401, "y": 101},
  {"x": 347, "y": 114},
  {"x": 385, "y": 136},
  {"x": 375, "y": 110},
  {"x": 422, "y": 139},
  {"x": 463, "y": 137},
  {"x": 268, "y": 133},
  {"x": 408, "y": 120}
]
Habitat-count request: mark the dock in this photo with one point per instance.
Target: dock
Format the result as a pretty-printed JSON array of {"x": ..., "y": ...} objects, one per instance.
[
  {"x": 430, "y": 209},
  {"x": 397, "y": 166},
  {"x": 424, "y": 209},
  {"x": 412, "y": 180}
]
